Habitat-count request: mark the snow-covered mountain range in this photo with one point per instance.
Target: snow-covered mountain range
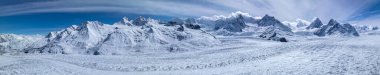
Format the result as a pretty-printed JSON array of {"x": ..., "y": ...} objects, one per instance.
[
  {"x": 96, "y": 38},
  {"x": 177, "y": 35}
]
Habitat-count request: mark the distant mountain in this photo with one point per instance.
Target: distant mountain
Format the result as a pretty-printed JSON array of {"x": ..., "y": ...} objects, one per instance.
[
  {"x": 235, "y": 22},
  {"x": 335, "y": 28},
  {"x": 363, "y": 28},
  {"x": 239, "y": 23}
]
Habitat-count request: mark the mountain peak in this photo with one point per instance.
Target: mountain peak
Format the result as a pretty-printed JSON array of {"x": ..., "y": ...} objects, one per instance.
[
  {"x": 271, "y": 21},
  {"x": 267, "y": 17},
  {"x": 317, "y": 19},
  {"x": 267, "y": 20},
  {"x": 333, "y": 22},
  {"x": 317, "y": 23},
  {"x": 124, "y": 21},
  {"x": 140, "y": 21}
]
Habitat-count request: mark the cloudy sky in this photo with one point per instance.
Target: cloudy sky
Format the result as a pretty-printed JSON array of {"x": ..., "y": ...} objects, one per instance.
[{"x": 42, "y": 16}]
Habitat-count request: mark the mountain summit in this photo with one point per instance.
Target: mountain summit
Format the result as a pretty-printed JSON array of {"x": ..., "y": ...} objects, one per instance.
[{"x": 315, "y": 24}]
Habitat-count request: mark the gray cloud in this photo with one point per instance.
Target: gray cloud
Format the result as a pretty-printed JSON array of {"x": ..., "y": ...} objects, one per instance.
[
  {"x": 342, "y": 10},
  {"x": 152, "y": 7}
]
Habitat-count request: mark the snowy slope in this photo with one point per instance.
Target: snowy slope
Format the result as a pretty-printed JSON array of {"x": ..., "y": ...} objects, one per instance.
[
  {"x": 237, "y": 55},
  {"x": 14, "y": 44}
]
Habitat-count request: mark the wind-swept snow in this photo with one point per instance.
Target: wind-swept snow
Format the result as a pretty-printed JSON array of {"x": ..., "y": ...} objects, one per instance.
[{"x": 237, "y": 55}]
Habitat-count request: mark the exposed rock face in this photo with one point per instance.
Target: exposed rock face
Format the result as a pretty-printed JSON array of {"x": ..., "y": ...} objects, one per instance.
[
  {"x": 189, "y": 23},
  {"x": 232, "y": 24},
  {"x": 375, "y": 28},
  {"x": 192, "y": 24},
  {"x": 271, "y": 21},
  {"x": 315, "y": 24},
  {"x": 350, "y": 30},
  {"x": 139, "y": 21},
  {"x": 180, "y": 28},
  {"x": 175, "y": 21},
  {"x": 275, "y": 35},
  {"x": 335, "y": 28}
]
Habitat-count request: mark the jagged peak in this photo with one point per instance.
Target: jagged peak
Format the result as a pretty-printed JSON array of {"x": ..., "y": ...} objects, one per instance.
[
  {"x": 89, "y": 26},
  {"x": 333, "y": 22},
  {"x": 140, "y": 21},
  {"x": 124, "y": 21},
  {"x": 317, "y": 23},
  {"x": 92, "y": 23},
  {"x": 267, "y": 17},
  {"x": 317, "y": 20}
]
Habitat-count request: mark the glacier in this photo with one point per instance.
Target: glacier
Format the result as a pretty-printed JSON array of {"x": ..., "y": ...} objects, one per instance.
[{"x": 223, "y": 44}]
